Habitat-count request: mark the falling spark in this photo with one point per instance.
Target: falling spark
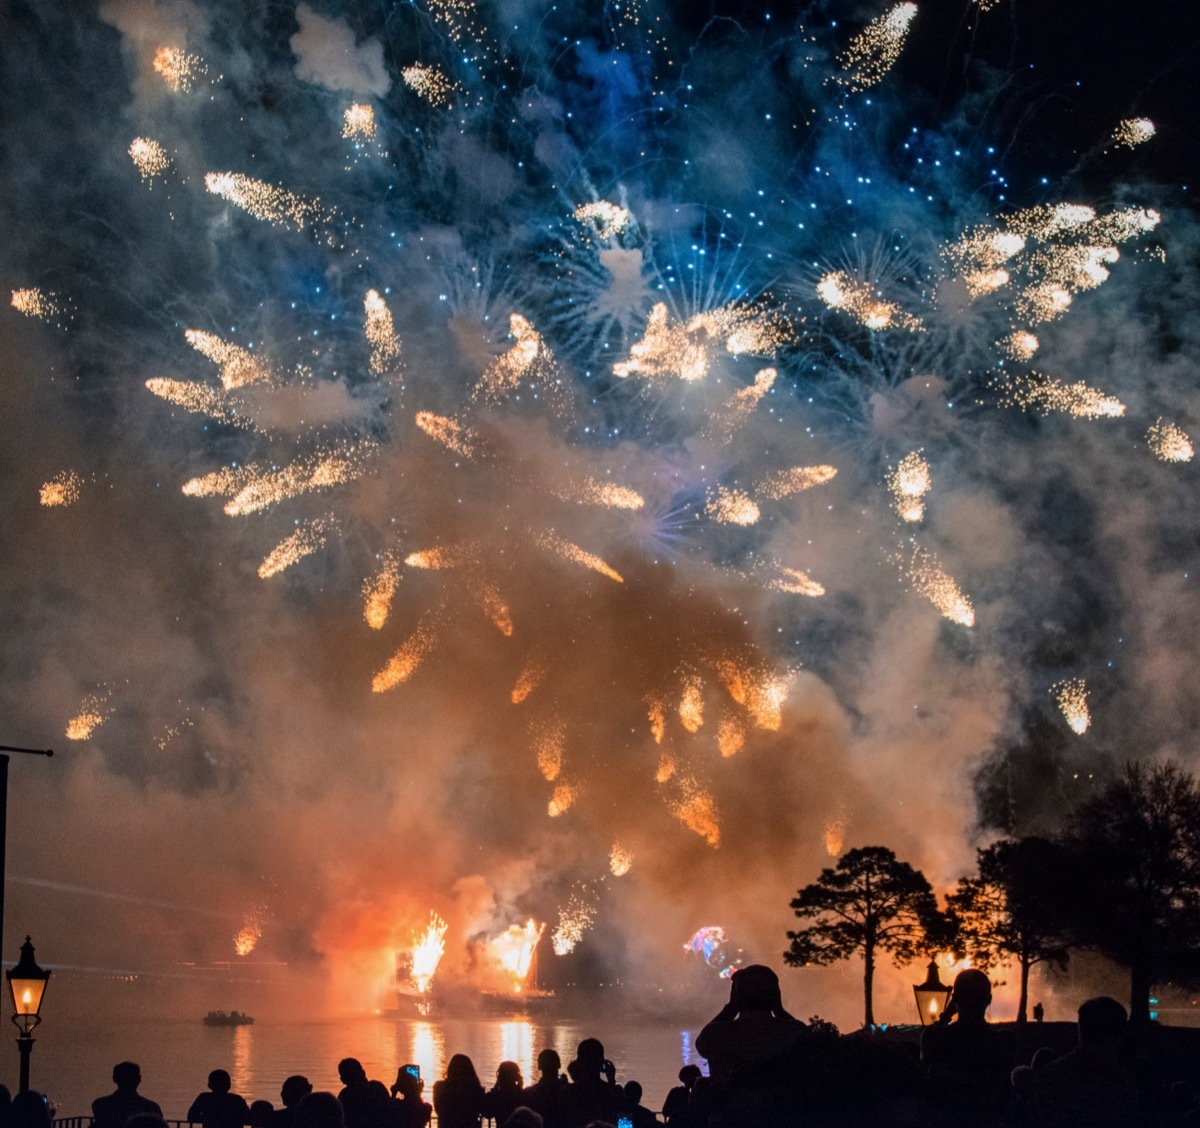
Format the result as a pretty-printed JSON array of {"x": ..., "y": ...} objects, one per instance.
[
  {"x": 658, "y": 720},
  {"x": 358, "y": 123},
  {"x": 1020, "y": 345},
  {"x": 452, "y": 435},
  {"x": 265, "y": 201},
  {"x": 909, "y": 481},
  {"x": 562, "y": 800},
  {"x": 269, "y": 487},
  {"x": 731, "y": 736},
  {"x": 666, "y": 766},
  {"x": 1168, "y": 441},
  {"x": 93, "y": 712},
  {"x": 426, "y": 953},
  {"x": 765, "y": 699},
  {"x": 1038, "y": 392},
  {"x": 178, "y": 69},
  {"x": 691, "y": 704},
  {"x": 379, "y": 591},
  {"x": 731, "y": 415},
  {"x": 620, "y": 860},
  {"x": 794, "y": 582},
  {"x": 696, "y": 808},
  {"x": 34, "y": 302},
  {"x": 574, "y": 919},
  {"x": 238, "y": 366},
  {"x": 834, "y": 836},
  {"x": 577, "y": 555},
  {"x": 404, "y": 663},
  {"x": 198, "y": 399},
  {"x": 430, "y": 84},
  {"x": 381, "y": 333},
  {"x": 591, "y": 491},
  {"x": 732, "y": 507},
  {"x": 797, "y": 480},
  {"x": 149, "y": 157},
  {"x": 528, "y": 680},
  {"x": 874, "y": 50},
  {"x": 303, "y": 542},
  {"x": 839, "y": 291},
  {"x": 528, "y": 360},
  {"x": 1133, "y": 132},
  {"x": 923, "y": 571},
  {"x": 63, "y": 489},
  {"x": 606, "y": 219},
  {"x": 1071, "y": 697},
  {"x": 248, "y": 936},
  {"x": 514, "y": 950},
  {"x": 549, "y": 743}
]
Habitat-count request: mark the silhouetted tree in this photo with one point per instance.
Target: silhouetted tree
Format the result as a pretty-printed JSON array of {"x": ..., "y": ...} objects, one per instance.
[
  {"x": 1136, "y": 877},
  {"x": 1013, "y": 908},
  {"x": 868, "y": 901}
]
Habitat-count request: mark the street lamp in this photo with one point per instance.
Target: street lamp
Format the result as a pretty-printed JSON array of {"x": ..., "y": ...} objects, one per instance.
[
  {"x": 932, "y": 996},
  {"x": 27, "y": 982}
]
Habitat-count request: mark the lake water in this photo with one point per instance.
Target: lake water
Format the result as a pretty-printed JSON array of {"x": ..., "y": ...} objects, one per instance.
[{"x": 73, "y": 1058}]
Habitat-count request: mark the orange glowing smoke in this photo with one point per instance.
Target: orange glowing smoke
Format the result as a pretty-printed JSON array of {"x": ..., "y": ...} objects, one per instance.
[
  {"x": 426, "y": 953},
  {"x": 513, "y": 951}
]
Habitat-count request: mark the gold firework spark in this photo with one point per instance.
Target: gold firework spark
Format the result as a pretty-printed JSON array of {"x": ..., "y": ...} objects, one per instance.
[
  {"x": 834, "y": 836},
  {"x": 62, "y": 489},
  {"x": 839, "y": 291},
  {"x": 198, "y": 399},
  {"x": 1020, "y": 345},
  {"x": 1071, "y": 697},
  {"x": 796, "y": 583},
  {"x": 426, "y": 953},
  {"x": 451, "y": 434},
  {"x": 306, "y": 540},
  {"x": 379, "y": 591},
  {"x": 574, "y": 919},
  {"x": 607, "y": 220},
  {"x": 696, "y": 808},
  {"x": 1169, "y": 442},
  {"x": 404, "y": 663},
  {"x": 732, "y": 507},
  {"x": 381, "y": 333},
  {"x": 93, "y": 712},
  {"x": 784, "y": 483},
  {"x": 562, "y": 800},
  {"x": 149, "y": 157},
  {"x": 1038, "y": 392},
  {"x": 577, "y": 555},
  {"x": 735, "y": 411},
  {"x": 358, "y": 123},
  {"x": 620, "y": 859},
  {"x": 267, "y": 202},
  {"x": 909, "y": 482},
  {"x": 691, "y": 703},
  {"x": 1133, "y": 132},
  {"x": 178, "y": 69},
  {"x": 550, "y": 741},
  {"x": 34, "y": 302},
  {"x": 430, "y": 84},
  {"x": 731, "y": 735},
  {"x": 238, "y": 366},
  {"x": 874, "y": 50},
  {"x": 922, "y": 569},
  {"x": 528, "y": 680}
]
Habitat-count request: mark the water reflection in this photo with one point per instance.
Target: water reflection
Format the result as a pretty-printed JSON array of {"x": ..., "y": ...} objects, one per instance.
[
  {"x": 516, "y": 1044},
  {"x": 428, "y": 1049},
  {"x": 242, "y": 1070}
]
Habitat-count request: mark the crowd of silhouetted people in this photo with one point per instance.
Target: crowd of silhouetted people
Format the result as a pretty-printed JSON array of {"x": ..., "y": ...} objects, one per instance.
[{"x": 766, "y": 1069}]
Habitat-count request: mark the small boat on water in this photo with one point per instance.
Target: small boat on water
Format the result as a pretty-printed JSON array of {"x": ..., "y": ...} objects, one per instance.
[{"x": 227, "y": 1018}]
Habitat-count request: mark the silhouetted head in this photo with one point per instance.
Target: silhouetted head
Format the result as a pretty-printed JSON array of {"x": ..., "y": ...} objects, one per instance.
[
  {"x": 548, "y": 1061},
  {"x": 1101, "y": 1022},
  {"x": 29, "y": 1110},
  {"x": 589, "y": 1056},
  {"x": 408, "y": 1086},
  {"x": 523, "y": 1117},
  {"x": 755, "y": 988},
  {"x": 972, "y": 993},
  {"x": 1024, "y": 1081},
  {"x": 294, "y": 1090},
  {"x": 1042, "y": 1057},
  {"x": 127, "y": 1075},
  {"x": 508, "y": 1074},
  {"x": 633, "y": 1092},
  {"x": 689, "y": 1075},
  {"x": 319, "y": 1110},
  {"x": 219, "y": 1081},
  {"x": 461, "y": 1068},
  {"x": 261, "y": 1113},
  {"x": 351, "y": 1070}
]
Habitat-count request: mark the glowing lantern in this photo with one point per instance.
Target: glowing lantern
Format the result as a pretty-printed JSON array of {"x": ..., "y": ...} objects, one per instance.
[
  {"x": 27, "y": 982},
  {"x": 932, "y": 996}
]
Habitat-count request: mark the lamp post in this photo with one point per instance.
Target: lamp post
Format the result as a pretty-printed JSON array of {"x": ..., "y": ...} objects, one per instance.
[
  {"x": 27, "y": 982},
  {"x": 932, "y": 996}
]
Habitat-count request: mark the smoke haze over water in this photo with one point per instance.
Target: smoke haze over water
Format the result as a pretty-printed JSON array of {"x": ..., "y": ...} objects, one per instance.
[{"x": 241, "y": 768}]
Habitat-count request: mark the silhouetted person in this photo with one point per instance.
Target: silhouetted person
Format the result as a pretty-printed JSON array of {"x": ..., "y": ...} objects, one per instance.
[
  {"x": 5, "y": 1105},
  {"x": 112, "y": 1111},
  {"x": 262, "y": 1114},
  {"x": 546, "y": 1096},
  {"x": 524, "y": 1117},
  {"x": 1090, "y": 1087},
  {"x": 633, "y": 1107},
  {"x": 506, "y": 1093},
  {"x": 965, "y": 1064},
  {"x": 293, "y": 1090},
  {"x": 750, "y": 1046},
  {"x": 29, "y": 1110},
  {"x": 458, "y": 1098},
  {"x": 320, "y": 1110},
  {"x": 409, "y": 1108},
  {"x": 219, "y": 1107},
  {"x": 364, "y": 1102},
  {"x": 1039, "y": 1012},
  {"x": 593, "y": 1093},
  {"x": 1022, "y": 1102},
  {"x": 675, "y": 1106}
]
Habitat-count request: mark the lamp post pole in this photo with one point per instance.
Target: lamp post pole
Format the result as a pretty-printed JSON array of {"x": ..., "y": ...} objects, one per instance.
[{"x": 4, "y": 749}]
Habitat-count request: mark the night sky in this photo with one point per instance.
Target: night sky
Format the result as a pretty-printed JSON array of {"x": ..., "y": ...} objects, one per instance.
[{"x": 421, "y": 369}]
